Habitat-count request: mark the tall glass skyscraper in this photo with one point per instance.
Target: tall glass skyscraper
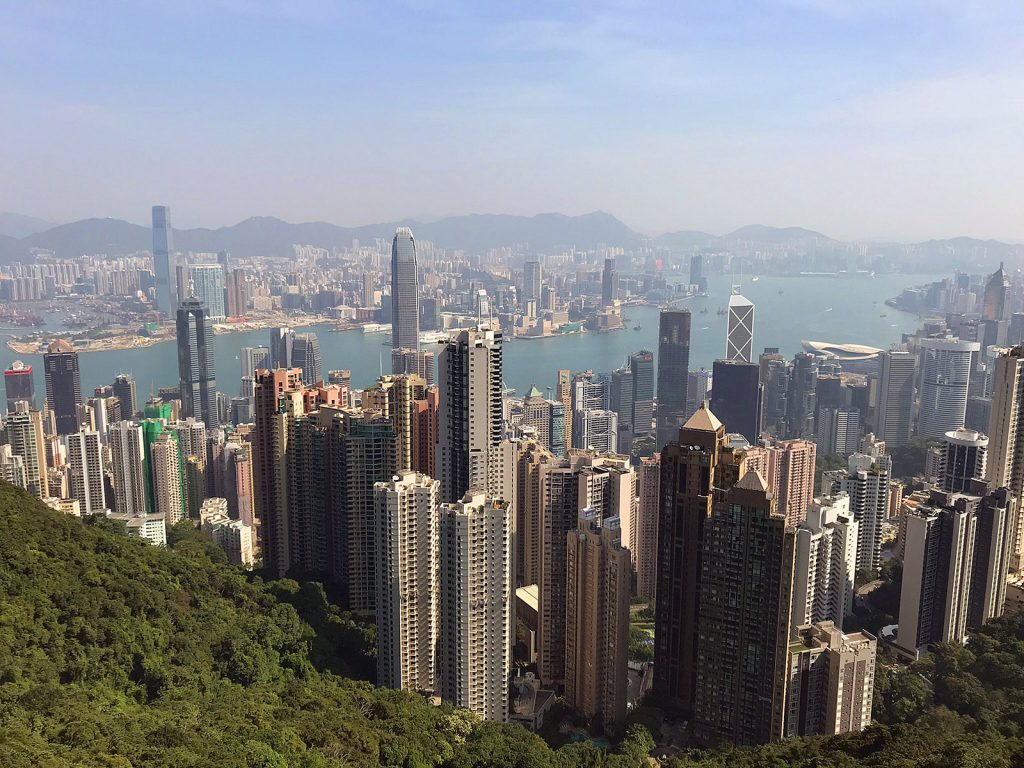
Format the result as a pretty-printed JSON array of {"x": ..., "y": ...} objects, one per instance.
[
  {"x": 306, "y": 355},
  {"x": 208, "y": 287},
  {"x": 195, "y": 363},
  {"x": 163, "y": 266},
  {"x": 405, "y": 297},
  {"x": 673, "y": 369},
  {"x": 63, "y": 385}
]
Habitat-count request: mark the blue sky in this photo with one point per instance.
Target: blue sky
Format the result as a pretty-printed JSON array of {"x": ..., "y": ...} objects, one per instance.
[{"x": 861, "y": 118}]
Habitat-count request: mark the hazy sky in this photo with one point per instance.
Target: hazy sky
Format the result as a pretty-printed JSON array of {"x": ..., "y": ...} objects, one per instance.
[{"x": 860, "y": 118}]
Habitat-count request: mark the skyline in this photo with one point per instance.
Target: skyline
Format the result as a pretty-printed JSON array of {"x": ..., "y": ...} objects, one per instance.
[{"x": 854, "y": 119}]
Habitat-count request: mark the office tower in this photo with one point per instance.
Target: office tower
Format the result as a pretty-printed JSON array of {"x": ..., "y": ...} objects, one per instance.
[
  {"x": 641, "y": 365},
  {"x": 419, "y": 362},
  {"x": 599, "y": 582},
  {"x": 945, "y": 377},
  {"x": 696, "y": 469},
  {"x": 19, "y": 385},
  {"x": 620, "y": 400},
  {"x": 207, "y": 282},
  {"x": 1015, "y": 332},
  {"x": 596, "y": 430},
  {"x": 124, "y": 390},
  {"x": 475, "y": 622},
  {"x": 407, "y": 553},
  {"x": 963, "y": 460},
  {"x": 736, "y": 397},
  {"x": 63, "y": 385},
  {"x": 775, "y": 380},
  {"x": 826, "y": 562},
  {"x": 165, "y": 467},
  {"x": 698, "y": 389},
  {"x": 590, "y": 390},
  {"x": 85, "y": 458},
  {"x": 673, "y": 371},
  {"x": 744, "y": 604},
  {"x": 196, "y": 372},
  {"x": 306, "y": 355},
  {"x": 802, "y": 401},
  {"x": 838, "y": 430},
  {"x": 643, "y": 541},
  {"x": 609, "y": 282},
  {"x": 994, "y": 304},
  {"x": 563, "y": 393},
  {"x": 895, "y": 396},
  {"x": 831, "y": 681},
  {"x": 1005, "y": 456},
  {"x": 405, "y": 295},
  {"x": 470, "y": 411},
  {"x": 369, "y": 298},
  {"x": 252, "y": 359},
  {"x": 866, "y": 482},
  {"x": 164, "y": 262},
  {"x": 939, "y": 541},
  {"x": 236, "y": 298},
  {"x": 697, "y": 276},
  {"x": 739, "y": 339},
  {"x": 533, "y": 279},
  {"x": 281, "y": 340},
  {"x": 128, "y": 468},
  {"x": 278, "y": 398},
  {"x": 25, "y": 435}
]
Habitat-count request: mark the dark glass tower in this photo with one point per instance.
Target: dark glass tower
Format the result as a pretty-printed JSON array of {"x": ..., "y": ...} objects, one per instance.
[
  {"x": 609, "y": 279},
  {"x": 19, "y": 386},
  {"x": 124, "y": 390},
  {"x": 306, "y": 355},
  {"x": 641, "y": 364},
  {"x": 405, "y": 300},
  {"x": 63, "y": 385},
  {"x": 163, "y": 266},
  {"x": 195, "y": 363},
  {"x": 736, "y": 397},
  {"x": 673, "y": 369}
]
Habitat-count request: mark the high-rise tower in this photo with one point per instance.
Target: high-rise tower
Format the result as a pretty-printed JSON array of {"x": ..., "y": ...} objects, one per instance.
[
  {"x": 63, "y": 385},
  {"x": 19, "y": 386},
  {"x": 405, "y": 296},
  {"x": 739, "y": 339},
  {"x": 945, "y": 377},
  {"x": 163, "y": 261},
  {"x": 196, "y": 371},
  {"x": 895, "y": 396},
  {"x": 673, "y": 370}
]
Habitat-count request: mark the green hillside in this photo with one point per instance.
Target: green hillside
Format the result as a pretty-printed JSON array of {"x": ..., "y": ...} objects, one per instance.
[{"x": 116, "y": 653}]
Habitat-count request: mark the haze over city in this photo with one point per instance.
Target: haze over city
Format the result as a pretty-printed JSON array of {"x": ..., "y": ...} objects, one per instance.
[{"x": 869, "y": 119}]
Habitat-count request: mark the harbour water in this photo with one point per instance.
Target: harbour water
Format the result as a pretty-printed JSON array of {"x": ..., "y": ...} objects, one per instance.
[{"x": 788, "y": 310}]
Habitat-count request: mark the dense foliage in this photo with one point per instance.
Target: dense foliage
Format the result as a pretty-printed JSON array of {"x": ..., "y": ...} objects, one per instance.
[{"x": 115, "y": 653}]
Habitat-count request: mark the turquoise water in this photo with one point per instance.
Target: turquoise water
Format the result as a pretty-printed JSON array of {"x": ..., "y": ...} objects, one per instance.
[{"x": 789, "y": 309}]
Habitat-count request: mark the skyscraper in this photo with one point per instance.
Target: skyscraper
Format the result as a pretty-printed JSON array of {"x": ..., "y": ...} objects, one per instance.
[
  {"x": 744, "y": 603},
  {"x": 788, "y": 466},
  {"x": 563, "y": 393},
  {"x": 736, "y": 397},
  {"x": 673, "y": 369},
  {"x": 641, "y": 365},
  {"x": 208, "y": 286},
  {"x": 994, "y": 304},
  {"x": 643, "y": 531},
  {"x": 306, "y": 355},
  {"x": 128, "y": 467},
  {"x": 1005, "y": 456},
  {"x": 945, "y": 378},
  {"x": 963, "y": 460},
  {"x": 826, "y": 563},
  {"x": 196, "y": 372},
  {"x": 533, "y": 280},
  {"x": 739, "y": 339},
  {"x": 597, "y": 621},
  {"x": 609, "y": 282},
  {"x": 405, "y": 295},
  {"x": 866, "y": 482},
  {"x": 165, "y": 467},
  {"x": 124, "y": 390},
  {"x": 470, "y": 410},
  {"x": 63, "y": 385},
  {"x": 19, "y": 385},
  {"x": 895, "y": 396},
  {"x": 406, "y": 511},
  {"x": 281, "y": 340},
  {"x": 475, "y": 624},
  {"x": 85, "y": 459},
  {"x": 696, "y": 469},
  {"x": 802, "y": 401},
  {"x": 25, "y": 435},
  {"x": 163, "y": 261}
]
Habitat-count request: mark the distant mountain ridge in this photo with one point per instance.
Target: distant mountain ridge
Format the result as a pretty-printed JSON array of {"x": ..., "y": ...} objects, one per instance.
[
  {"x": 18, "y": 225},
  {"x": 474, "y": 233}
]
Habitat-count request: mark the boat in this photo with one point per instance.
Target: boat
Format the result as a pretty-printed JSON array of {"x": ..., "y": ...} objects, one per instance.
[
  {"x": 829, "y": 309},
  {"x": 705, "y": 328},
  {"x": 721, "y": 312},
  {"x": 636, "y": 327},
  {"x": 754, "y": 279},
  {"x": 883, "y": 315}
]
